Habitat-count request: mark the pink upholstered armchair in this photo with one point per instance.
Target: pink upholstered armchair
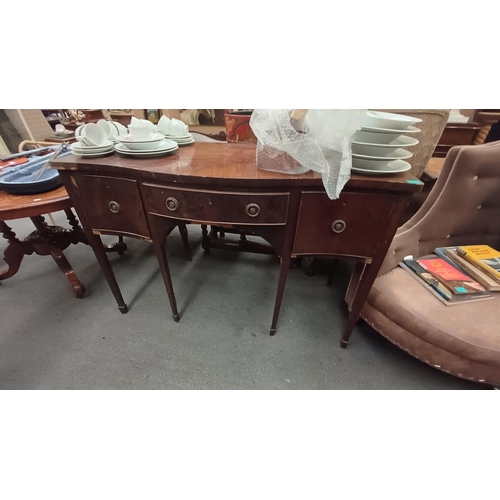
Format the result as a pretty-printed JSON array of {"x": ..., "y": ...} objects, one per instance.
[{"x": 463, "y": 208}]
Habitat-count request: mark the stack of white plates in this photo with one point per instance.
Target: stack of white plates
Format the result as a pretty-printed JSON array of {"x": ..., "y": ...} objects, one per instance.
[
  {"x": 148, "y": 146},
  {"x": 81, "y": 149},
  {"x": 181, "y": 140},
  {"x": 378, "y": 148}
]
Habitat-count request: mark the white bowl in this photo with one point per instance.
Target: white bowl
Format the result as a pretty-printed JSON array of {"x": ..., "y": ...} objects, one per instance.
[
  {"x": 383, "y": 139},
  {"x": 149, "y": 142},
  {"x": 382, "y": 119},
  {"x": 371, "y": 164},
  {"x": 93, "y": 135}
]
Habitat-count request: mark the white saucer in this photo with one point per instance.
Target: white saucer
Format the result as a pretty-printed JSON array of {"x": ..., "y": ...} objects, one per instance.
[
  {"x": 409, "y": 130},
  {"x": 186, "y": 143},
  {"x": 87, "y": 152},
  {"x": 178, "y": 137},
  {"x": 395, "y": 167},
  {"x": 397, "y": 154}
]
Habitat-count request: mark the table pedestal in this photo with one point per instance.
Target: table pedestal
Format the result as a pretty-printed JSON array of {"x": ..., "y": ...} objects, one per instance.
[{"x": 48, "y": 240}]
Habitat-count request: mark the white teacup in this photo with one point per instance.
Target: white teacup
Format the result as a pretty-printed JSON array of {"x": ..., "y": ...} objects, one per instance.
[
  {"x": 178, "y": 128},
  {"x": 122, "y": 130},
  {"x": 79, "y": 131},
  {"x": 164, "y": 125},
  {"x": 139, "y": 131},
  {"x": 106, "y": 126},
  {"x": 93, "y": 135},
  {"x": 151, "y": 125}
]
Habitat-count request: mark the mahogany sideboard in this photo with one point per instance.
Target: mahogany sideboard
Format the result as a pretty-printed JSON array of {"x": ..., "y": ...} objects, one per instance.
[{"x": 220, "y": 184}]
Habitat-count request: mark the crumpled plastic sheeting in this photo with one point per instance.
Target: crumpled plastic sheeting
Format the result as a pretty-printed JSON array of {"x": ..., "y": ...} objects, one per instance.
[{"x": 323, "y": 144}]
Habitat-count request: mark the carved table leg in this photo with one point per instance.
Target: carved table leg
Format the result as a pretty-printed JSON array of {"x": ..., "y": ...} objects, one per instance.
[
  {"x": 119, "y": 247},
  {"x": 14, "y": 253},
  {"x": 58, "y": 255}
]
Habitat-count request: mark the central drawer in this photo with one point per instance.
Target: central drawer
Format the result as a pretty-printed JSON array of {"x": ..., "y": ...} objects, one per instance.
[{"x": 217, "y": 206}]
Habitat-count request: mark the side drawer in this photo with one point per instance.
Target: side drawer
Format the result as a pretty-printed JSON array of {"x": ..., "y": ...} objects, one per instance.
[
  {"x": 352, "y": 225},
  {"x": 112, "y": 205},
  {"x": 217, "y": 206}
]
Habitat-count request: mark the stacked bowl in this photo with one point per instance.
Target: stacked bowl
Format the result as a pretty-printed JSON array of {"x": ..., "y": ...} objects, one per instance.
[
  {"x": 379, "y": 147},
  {"x": 93, "y": 142},
  {"x": 142, "y": 141},
  {"x": 175, "y": 130}
]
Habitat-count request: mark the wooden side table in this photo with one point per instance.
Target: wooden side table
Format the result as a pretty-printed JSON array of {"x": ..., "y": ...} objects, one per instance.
[{"x": 46, "y": 239}]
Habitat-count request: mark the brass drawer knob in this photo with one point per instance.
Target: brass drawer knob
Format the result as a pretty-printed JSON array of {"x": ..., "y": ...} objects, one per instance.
[
  {"x": 114, "y": 207},
  {"x": 172, "y": 204},
  {"x": 252, "y": 209},
  {"x": 338, "y": 226}
]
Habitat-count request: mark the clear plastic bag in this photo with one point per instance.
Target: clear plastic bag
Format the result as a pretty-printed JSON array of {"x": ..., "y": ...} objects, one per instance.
[{"x": 321, "y": 141}]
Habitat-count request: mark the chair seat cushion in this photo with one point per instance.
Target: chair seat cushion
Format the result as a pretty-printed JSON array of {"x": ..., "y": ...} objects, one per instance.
[{"x": 469, "y": 330}]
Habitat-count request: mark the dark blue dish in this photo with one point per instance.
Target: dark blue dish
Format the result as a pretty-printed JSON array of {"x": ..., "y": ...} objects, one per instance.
[{"x": 20, "y": 179}]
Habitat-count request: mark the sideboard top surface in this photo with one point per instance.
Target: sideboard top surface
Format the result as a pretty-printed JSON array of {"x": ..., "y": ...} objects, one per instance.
[{"x": 220, "y": 163}]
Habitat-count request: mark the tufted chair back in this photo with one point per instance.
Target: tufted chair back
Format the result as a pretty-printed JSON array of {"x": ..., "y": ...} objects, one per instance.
[
  {"x": 432, "y": 126},
  {"x": 463, "y": 207}
]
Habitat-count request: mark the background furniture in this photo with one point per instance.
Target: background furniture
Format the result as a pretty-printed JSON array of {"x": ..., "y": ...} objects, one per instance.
[
  {"x": 432, "y": 126},
  {"x": 462, "y": 209},
  {"x": 487, "y": 118},
  {"x": 211, "y": 183},
  {"x": 456, "y": 134}
]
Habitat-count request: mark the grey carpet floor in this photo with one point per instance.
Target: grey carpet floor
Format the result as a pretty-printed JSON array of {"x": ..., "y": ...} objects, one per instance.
[{"x": 51, "y": 340}]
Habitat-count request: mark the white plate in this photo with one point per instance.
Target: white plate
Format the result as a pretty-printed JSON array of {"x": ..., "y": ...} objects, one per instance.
[
  {"x": 393, "y": 167},
  {"x": 92, "y": 150},
  {"x": 122, "y": 151},
  {"x": 94, "y": 155},
  {"x": 126, "y": 138},
  {"x": 163, "y": 146},
  {"x": 176, "y": 137},
  {"x": 138, "y": 154},
  {"x": 409, "y": 130},
  {"x": 396, "y": 154},
  {"x": 84, "y": 146}
]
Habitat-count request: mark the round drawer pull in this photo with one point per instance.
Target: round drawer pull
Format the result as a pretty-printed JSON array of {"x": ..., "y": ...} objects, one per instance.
[
  {"x": 172, "y": 204},
  {"x": 338, "y": 226},
  {"x": 114, "y": 207},
  {"x": 252, "y": 209}
]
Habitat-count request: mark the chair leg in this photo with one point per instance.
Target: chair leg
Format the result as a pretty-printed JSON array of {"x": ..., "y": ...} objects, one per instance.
[{"x": 184, "y": 235}]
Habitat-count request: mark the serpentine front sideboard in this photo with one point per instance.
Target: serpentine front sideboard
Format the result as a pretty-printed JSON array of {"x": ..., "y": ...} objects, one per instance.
[{"x": 220, "y": 184}]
